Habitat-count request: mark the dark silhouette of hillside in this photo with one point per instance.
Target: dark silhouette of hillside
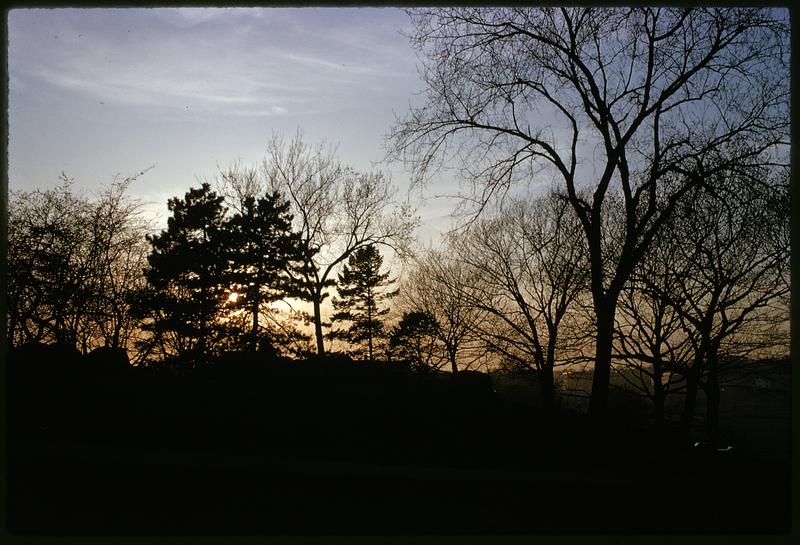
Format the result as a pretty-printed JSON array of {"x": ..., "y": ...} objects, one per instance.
[{"x": 250, "y": 444}]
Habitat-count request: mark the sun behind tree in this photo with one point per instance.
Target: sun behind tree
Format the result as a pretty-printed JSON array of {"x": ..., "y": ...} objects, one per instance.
[{"x": 362, "y": 288}]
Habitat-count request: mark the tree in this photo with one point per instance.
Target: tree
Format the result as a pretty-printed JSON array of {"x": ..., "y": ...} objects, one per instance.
[
  {"x": 186, "y": 272},
  {"x": 439, "y": 286},
  {"x": 733, "y": 257},
  {"x": 650, "y": 343},
  {"x": 119, "y": 251},
  {"x": 415, "y": 340},
  {"x": 709, "y": 295},
  {"x": 336, "y": 211},
  {"x": 73, "y": 263},
  {"x": 265, "y": 256},
  {"x": 632, "y": 100},
  {"x": 361, "y": 288},
  {"x": 48, "y": 266},
  {"x": 529, "y": 270}
]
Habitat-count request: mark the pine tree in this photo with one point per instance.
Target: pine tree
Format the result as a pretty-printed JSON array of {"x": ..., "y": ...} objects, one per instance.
[
  {"x": 187, "y": 267},
  {"x": 361, "y": 288},
  {"x": 264, "y": 255},
  {"x": 415, "y": 340}
]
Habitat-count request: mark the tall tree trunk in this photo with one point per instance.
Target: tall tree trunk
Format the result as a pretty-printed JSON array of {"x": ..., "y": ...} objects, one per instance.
[
  {"x": 451, "y": 355},
  {"x": 547, "y": 386},
  {"x": 318, "y": 325},
  {"x": 369, "y": 330},
  {"x": 692, "y": 384},
  {"x": 254, "y": 329},
  {"x": 117, "y": 335},
  {"x": 598, "y": 402},
  {"x": 547, "y": 381},
  {"x": 12, "y": 326},
  {"x": 712, "y": 391},
  {"x": 659, "y": 394},
  {"x": 203, "y": 322}
]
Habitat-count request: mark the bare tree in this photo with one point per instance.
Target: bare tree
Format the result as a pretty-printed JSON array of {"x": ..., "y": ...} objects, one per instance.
[
  {"x": 439, "y": 287},
  {"x": 529, "y": 268},
  {"x": 607, "y": 100},
  {"x": 49, "y": 234},
  {"x": 119, "y": 251},
  {"x": 733, "y": 257},
  {"x": 74, "y": 263},
  {"x": 650, "y": 345},
  {"x": 336, "y": 209}
]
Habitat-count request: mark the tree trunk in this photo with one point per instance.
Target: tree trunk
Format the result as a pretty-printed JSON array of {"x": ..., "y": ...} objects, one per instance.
[
  {"x": 117, "y": 335},
  {"x": 254, "y": 330},
  {"x": 12, "y": 326},
  {"x": 692, "y": 384},
  {"x": 598, "y": 402},
  {"x": 712, "y": 402},
  {"x": 547, "y": 386},
  {"x": 547, "y": 380},
  {"x": 659, "y": 395},
  {"x": 453, "y": 362},
  {"x": 369, "y": 331},
  {"x": 318, "y": 325}
]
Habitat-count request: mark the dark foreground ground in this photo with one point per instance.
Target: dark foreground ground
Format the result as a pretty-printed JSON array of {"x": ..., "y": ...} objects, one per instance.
[{"x": 332, "y": 448}]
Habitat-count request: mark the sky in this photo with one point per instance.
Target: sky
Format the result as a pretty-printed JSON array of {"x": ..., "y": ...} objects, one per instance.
[{"x": 99, "y": 92}]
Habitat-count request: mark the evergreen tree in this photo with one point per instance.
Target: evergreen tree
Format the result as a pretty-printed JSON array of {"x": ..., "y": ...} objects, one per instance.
[
  {"x": 264, "y": 256},
  {"x": 361, "y": 287},
  {"x": 415, "y": 340},
  {"x": 186, "y": 273}
]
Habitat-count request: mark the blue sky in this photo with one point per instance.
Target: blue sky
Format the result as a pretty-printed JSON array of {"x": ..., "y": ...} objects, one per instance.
[{"x": 95, "y": 92}]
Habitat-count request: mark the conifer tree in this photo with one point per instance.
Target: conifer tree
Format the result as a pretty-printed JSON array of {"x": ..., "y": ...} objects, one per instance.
[
  {"x": 186, "y": 273},
  {"x": 362, "y": 289},
  {"x": 415, "y": 339},
  {"x": 264, "y": 256}
]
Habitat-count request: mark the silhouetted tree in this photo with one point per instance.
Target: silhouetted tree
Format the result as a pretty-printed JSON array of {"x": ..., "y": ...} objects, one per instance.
[
  {"x": 438, "y": 285},
  {"x": 415, "y": 339},
  {"x": 265, "y": 256},
  {"x": 710, "y": 290},
  {"x": 733, "y": 258},
  {"x": 336, "y": 210},
  {"x": 120, "y": 255},
  {"x": 362, "y": 288},
  {"x": 188, "y": 262},
  {"x": 650, "y": 343},
  {"x": 49, "y": 236},
  {"x": 637, "y": 100},
  {"x": 73, "y": 263},
  {"x": 530, "y": 268}
]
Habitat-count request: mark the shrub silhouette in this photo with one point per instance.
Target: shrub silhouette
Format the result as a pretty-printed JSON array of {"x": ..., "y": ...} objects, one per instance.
[{"x": 108, "y": 360}]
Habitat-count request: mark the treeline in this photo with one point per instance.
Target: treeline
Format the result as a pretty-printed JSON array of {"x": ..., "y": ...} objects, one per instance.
[
  {"x": 708, "y": 299},
  {"x": 87, "y": 272},
  {"x": 509, "y": 291}
]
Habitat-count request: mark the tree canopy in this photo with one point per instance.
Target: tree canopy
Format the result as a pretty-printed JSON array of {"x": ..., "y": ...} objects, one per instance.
[{"x": 362, "y": 288}]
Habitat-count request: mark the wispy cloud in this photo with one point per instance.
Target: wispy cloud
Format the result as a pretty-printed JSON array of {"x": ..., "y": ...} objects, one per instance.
[
  {"x": 239, "y": 61},
  {"x": 93, "y": 90}
]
